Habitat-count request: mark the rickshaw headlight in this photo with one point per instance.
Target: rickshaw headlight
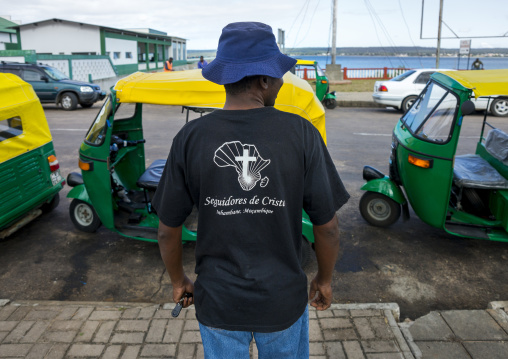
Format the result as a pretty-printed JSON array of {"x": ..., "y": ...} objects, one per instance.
[
  {"x": 86, "y": 89},
  {"x": 53, "y": 163},
  {"x": 420, "y": 162}
]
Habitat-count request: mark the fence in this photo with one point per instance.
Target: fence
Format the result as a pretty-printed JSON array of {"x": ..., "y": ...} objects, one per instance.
[
  {"x": 306, "y": 73},
  {"x": 382, "y": 73},
  {"x": 372, "y": 73}
]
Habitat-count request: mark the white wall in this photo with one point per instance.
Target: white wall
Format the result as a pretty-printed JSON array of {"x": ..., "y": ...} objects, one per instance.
[
  {"x": 56, "y": 38},
  {"x": 122, "y": 46},
  {"x": 12, "y": 58}
]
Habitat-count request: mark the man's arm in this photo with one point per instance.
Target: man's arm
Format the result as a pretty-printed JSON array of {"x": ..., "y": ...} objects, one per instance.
[
  {"x": 170, "y": 245},
  {"x": 326, "y": 244}
]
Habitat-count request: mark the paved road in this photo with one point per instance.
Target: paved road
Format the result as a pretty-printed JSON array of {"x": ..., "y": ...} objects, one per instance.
[{"x": 412, "y": 264}]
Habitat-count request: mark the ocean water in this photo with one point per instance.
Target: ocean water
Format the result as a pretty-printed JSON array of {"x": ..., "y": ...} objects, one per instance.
[{"x": 411, "y": 62}]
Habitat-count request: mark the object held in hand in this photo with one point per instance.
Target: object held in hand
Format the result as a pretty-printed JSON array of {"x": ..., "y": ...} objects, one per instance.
[{"x": 176, "y": 312}]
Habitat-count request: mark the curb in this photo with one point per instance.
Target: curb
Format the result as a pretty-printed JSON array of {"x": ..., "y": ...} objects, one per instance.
[
  {"x": 498, "y": 305},
  {"x": 354, "y": 103}
]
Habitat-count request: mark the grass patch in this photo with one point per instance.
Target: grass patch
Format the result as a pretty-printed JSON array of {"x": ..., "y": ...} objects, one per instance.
[{"x": 355, "y": 86}]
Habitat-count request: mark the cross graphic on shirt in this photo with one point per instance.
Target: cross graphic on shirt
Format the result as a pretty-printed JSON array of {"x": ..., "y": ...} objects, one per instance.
[{"x": 245, "y": 159}]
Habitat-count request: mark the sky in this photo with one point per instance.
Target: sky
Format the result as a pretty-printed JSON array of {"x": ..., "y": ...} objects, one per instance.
[{"x": 307, "y": 23}]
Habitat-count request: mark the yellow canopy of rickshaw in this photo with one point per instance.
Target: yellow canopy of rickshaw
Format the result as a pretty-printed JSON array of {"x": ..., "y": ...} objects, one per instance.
[
  {"x": 305, "y": 62},
  {"x": 190, "y": 88},
  {"x": 482, "y": 82},
  {"x": 18, "y": 100}
]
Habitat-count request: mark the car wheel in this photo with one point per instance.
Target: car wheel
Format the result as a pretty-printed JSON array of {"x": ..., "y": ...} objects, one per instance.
[
  {"x": 83, "y": 216},
  {"x": 51, "y": 205},
  {"x": 86, "y": 105},
  {"x": 500, "y": 107},
  {"x": 306, "y": 249},
  {"x": 69, "y": 101},
  {"x": 378, "y": 209},
  {"x": 331, "y": 103},
  {"x": 407, "y": 103}
]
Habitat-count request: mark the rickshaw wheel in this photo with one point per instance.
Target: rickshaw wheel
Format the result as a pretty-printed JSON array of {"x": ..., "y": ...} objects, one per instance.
[
  {"x": 331, "y": 103},
  {"x": 51, "y": 205},
  {"x": 378, "y": 209},
  {"x": 83, "y": 216}
]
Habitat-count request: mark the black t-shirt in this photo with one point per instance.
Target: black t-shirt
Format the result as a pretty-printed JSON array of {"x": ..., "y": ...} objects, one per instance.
[{"x": 249, "y": 173}]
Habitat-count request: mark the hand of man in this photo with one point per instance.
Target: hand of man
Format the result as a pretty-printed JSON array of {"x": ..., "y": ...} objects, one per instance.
[
  {"x": 187, "y": 286},
  {"x": 323, "y": 299}
]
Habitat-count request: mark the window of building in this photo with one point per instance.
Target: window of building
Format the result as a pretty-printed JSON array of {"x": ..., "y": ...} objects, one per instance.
[
  {"x": 160, "y": 53},
  {"x": 128, "y": 55},
  {"x": 116, "y": 55},
  {"x": 10, "y": 127}
]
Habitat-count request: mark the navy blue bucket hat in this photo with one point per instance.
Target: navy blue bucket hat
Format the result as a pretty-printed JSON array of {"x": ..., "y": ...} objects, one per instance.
[{"x": 247, "y": 49}]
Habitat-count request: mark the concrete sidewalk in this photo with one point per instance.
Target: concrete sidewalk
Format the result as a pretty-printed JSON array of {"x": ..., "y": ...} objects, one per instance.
[
  {"x": 356, "y": 99},
  {"x": 49, "y": 329}
]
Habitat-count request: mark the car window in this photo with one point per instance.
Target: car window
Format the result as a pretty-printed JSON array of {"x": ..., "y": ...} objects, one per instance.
[
  {"x": 403, "y": 76},
  {"x": 55, "y": 74},
  {"x": 10, "y": 127},
  {"x": 11, "y": 71},
  {"x": 30, "y": 75},
  {"x": 423, "y": 78}
]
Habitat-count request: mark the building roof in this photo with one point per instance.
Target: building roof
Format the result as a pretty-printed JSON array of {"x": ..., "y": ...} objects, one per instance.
[
  {"x": 6, "y": 24},
  {"x": 110, "y": 29}
]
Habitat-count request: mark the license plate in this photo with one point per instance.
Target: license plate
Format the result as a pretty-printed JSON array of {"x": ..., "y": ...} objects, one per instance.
[{"x": 55, "y": 177}]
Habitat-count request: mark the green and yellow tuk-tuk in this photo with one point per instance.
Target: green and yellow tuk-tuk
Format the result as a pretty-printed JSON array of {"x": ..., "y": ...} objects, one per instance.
[
  {"x": 29, "y": 171},
  {"x": 322, "y": 86},
  {"x": 465, "y": 195},
  {"x": 116, "y": 186}
]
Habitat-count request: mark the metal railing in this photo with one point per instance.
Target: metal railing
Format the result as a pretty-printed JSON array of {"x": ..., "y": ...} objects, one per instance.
[
  {"x": 372, "y": 73},
  {"x": 306, "y": 73}
]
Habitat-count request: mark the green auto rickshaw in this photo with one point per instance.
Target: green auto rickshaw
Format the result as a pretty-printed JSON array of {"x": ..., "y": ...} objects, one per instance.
[
  {"x": 329, "y": 99},
  {"x": 29, "y": 170},
  {"x": 116, "y": 186},
  {"x": 465, "y": 195}
]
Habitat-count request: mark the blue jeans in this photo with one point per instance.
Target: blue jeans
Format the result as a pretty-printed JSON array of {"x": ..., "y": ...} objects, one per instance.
[{"x": 290, "y": 343}]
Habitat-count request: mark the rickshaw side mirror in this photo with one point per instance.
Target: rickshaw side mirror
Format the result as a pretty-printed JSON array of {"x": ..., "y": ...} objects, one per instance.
[{"x": 467, "y": 107}]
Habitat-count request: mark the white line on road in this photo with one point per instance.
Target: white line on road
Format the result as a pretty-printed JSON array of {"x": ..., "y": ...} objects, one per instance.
[
  {"x": 389, "y": 135},
  {"x": 69, "y": 129}
]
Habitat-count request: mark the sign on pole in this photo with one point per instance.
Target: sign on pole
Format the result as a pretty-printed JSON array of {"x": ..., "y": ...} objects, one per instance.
[{"x": 465, "y": 47}]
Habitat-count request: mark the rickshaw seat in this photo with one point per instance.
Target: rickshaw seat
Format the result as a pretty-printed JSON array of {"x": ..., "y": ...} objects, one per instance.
[
  {"x": 496, "y": 144},
  {"x": 472, "y": 171},
  {"x": 149, "y": 180}
]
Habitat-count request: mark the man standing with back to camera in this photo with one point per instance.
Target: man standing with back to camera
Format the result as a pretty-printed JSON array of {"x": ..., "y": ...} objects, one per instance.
[{"x": 250, "y": 169}]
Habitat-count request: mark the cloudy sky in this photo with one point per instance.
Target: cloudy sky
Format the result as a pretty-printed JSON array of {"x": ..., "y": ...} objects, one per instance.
[{"x": 307, "y": 23}]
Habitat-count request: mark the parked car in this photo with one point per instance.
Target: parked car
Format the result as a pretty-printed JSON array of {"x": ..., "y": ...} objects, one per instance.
[
  {"x": 400, "y": 92},
  {"x": 52, "y": 86}
]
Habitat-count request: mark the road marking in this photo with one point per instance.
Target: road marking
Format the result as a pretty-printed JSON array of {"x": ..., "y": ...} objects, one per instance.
[
  {"x": 69, "y": 129},
  {"x": 389, "y": 135}
]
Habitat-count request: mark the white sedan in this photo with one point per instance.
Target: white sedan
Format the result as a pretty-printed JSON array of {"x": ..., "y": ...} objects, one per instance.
[{"x": 401, "y": 91}]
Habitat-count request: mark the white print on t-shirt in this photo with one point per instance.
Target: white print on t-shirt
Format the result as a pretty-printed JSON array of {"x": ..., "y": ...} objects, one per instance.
[{"x": 246, "y": 161}]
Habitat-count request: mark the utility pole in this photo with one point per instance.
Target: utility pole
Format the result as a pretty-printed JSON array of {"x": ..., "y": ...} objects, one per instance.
[
  {"x": 438, "y": 50},
  {"x": 334, "y": 32}
]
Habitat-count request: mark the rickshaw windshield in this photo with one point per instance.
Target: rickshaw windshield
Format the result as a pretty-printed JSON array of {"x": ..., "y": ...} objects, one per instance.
[
  {"x": 319, "y": 70},
  {"x": 95, "y": 135},
  {"x": 432, "y": 114}
]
